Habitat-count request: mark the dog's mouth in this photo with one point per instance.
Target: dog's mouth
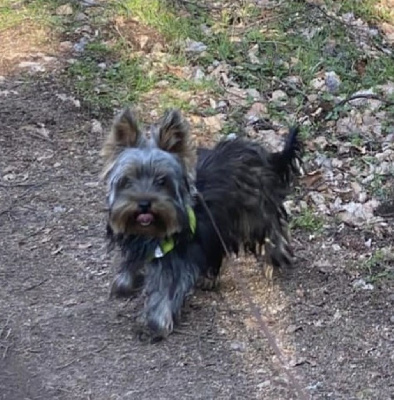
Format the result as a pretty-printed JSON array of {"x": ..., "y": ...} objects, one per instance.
[{"x": 145, "y": 219}]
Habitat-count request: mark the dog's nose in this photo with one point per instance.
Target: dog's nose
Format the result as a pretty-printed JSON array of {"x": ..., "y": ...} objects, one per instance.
[{"x": 144, "y": 205}]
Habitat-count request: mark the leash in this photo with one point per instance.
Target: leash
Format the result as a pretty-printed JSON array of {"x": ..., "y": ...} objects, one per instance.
[{"x": 256, "y": 311}]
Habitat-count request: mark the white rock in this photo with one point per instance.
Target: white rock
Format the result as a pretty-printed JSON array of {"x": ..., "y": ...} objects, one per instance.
[
  {"x": 253, "y": 93},
  {"x": 361, "y": 284},
  {"x": 32, "y": 66},
  {"x": 65, "y": 9},
  {"x": 80, "y": 17},
  {"x": 198, "y": 75},
  {"x": 332, "y": 81},
  {"x": 96, "y": 127},
  {"x": 214, "y": 123},
  {"x": 318, "y": 83},
  {"x": 256, "y": 111},
  {"x": 143, "y": 39},
  {"x": 195, "y": 47},
  {"x": 278, "y": 95}
]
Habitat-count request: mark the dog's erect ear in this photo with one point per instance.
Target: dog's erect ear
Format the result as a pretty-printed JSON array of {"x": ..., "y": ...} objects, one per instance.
[
  {"x": 173, "y": 134},
  {"x": 124, "y": 133},
  {"x": 125, "y": 130}
]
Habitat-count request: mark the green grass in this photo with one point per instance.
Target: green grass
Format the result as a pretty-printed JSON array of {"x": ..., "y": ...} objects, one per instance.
[
  {"x": 283, "y": 42},
  {"x": 365, "y": 9},
  {"x": 308, "y": 221},
  {"x": 377, "y": 266},
  {"x": 159, "y": 15},
  {"x": 167, "y": 101},
  {"x": 15, "y": 12},
  {"x": 126, "y": 77},
  {"x": 117, "y": 84}
]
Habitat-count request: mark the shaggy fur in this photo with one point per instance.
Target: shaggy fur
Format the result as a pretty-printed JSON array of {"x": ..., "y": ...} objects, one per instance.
[{"x": 151, "y": 184}]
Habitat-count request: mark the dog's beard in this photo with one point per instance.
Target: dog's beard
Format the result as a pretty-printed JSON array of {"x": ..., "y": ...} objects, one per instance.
[
  {"x": 134, "y": 248},
  {"x": 160, "y": 221}
]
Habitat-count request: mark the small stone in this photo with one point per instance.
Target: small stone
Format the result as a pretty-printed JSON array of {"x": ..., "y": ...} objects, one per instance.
[
  {"x": 231, "y": 136},
  {"x": 88, "y": 3},
  {"x": 80, "y": 17},
  {"x": 392, "y": 319},
  {"x": 237, "y": 346},
  {"x": 157, "y": 48},
  {"x": 102, "y": 65},
  {"x": 65, "y": 46},
  {"x": 317, "y": 83},
  {"x": 215, "y": 122},
  {"x": 195, "y": 47},
  {"x": 32, "y": 66},
  {"x": 96, "y": 127},
  {"x": 332, "y": 81},
  {"x": 85, "y": 28},
  {"x": 65, "y": 9},
  {"x": 263, "y": 384},
  {"x": 143, "y": 39},
  {"x": 361, "y": 284},
  {"x": 253, "y": 93},
  {"x": 257, "y": 111},
  {"x": 80, "y": 45},
  {"x": 278, "y": 96},
  {"x": 223, "y": 104},
  {"x": 59, "y": 209},
  {"x": 198, "y": 75}
]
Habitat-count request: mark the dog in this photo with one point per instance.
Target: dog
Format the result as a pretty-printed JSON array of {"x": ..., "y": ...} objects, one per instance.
[{"x": 175, "y": 211}]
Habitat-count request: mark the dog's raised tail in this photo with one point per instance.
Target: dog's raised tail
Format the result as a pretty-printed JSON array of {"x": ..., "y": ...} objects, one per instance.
[{"x": 288, "y": 162}]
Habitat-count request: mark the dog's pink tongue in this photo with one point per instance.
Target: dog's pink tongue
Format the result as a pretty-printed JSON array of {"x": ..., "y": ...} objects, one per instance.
[{"x": 145, "y": 219}]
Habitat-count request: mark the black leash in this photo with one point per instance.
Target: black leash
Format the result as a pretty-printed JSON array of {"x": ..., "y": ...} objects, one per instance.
[{"x": 256, "y": 311}]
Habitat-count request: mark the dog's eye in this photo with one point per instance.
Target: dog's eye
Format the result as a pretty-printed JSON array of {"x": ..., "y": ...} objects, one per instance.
[
  {"x": 160, "y": 181},
  {"x": 125, "y": 183}
]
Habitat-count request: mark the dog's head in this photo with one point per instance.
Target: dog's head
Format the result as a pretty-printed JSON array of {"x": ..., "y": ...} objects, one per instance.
[{"x": 149, "y": 178}]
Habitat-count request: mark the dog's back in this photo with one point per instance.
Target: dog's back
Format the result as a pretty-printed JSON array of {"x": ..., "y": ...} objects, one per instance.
[{"x": 244, "y": 186}]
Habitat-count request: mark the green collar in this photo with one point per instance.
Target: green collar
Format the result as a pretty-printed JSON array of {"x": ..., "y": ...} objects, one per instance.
[{"x": 168, "y": 244}]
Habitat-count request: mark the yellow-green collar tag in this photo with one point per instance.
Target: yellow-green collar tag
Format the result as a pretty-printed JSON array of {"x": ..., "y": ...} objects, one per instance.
[{"x": 168, "y": 245}]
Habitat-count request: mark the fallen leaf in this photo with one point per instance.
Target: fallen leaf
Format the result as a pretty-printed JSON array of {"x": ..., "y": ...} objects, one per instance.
[
  {"x": 311, "y": 178},
  {"x": 84, "y": 246},
  {"x": 57, "y": 251}
]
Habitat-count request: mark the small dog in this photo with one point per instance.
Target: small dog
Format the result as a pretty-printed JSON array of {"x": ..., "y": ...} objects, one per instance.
[{"x": 175, "y": 211}]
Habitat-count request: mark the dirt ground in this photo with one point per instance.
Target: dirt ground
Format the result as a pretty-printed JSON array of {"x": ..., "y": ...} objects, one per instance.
[{"x": 61, "y": 338}]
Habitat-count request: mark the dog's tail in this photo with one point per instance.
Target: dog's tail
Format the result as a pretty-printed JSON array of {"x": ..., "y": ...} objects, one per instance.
[{"x": 288, "y": 162}]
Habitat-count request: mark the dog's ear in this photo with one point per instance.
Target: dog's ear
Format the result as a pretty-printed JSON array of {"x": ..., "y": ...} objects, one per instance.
[
  {"x": 173, "y": 134},
  {"x": 124, "y": 133}
]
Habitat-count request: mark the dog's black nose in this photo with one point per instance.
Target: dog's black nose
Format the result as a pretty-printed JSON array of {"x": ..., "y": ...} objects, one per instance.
[{"x": 144, "y": 205}]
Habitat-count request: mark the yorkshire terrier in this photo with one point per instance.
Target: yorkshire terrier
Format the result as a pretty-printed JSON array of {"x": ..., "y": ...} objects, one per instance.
[{"x": 176, "y": 211}]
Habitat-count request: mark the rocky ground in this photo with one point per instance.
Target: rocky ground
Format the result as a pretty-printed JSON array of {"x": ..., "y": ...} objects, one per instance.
[{"x": 233, "y": 68}]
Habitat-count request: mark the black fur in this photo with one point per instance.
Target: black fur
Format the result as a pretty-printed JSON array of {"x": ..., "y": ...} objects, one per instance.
[{"x": 244, "y": 187}]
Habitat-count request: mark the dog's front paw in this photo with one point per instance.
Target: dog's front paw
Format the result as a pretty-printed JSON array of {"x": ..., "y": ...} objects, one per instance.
[
  {"x": 160, "y": 320},
  {"x": 126, "y": 284}
]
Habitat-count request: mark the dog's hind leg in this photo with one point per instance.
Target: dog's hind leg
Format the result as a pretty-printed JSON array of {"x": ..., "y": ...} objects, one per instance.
[
  {"x": 278, "y": 251},
  {"x": 168, "y": 283}
]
